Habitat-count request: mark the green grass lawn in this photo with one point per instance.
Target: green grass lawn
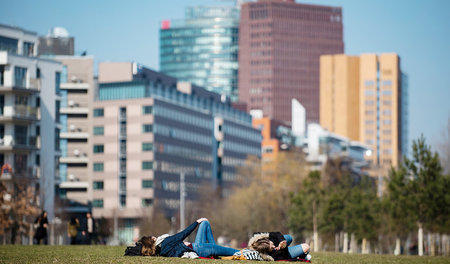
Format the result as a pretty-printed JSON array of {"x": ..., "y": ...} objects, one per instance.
[{"x": 109, "y": 254}]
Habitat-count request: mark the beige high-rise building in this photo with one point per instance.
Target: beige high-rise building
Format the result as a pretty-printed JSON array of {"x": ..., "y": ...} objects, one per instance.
[{"x": 364, "y": 98}]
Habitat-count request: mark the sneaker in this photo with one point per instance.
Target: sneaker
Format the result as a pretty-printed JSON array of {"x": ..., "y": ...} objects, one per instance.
[{"x": 308, "y": 257}]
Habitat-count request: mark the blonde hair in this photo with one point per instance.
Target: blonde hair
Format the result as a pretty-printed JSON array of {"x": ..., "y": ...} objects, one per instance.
[
  {"x": 261, "y": 245},
  {"x": 148, "y": 246}
]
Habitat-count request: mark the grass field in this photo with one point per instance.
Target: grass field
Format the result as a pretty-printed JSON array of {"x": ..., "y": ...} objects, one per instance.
[{"x": 109, "y": 254}]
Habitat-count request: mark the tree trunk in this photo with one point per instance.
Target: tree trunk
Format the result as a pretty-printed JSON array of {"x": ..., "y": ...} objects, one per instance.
[
  {"x": 364, "y": 246},
  {"x": 420, "y": 240},
  {"x": 336, "y": 242},
  {"x": 345, "y": 244},
  {"x": 316, "y": 233},
  {"x": 353, "y": 245},
  {"x": 397, "y": 247},
  {"x": 431, "y": 245}
]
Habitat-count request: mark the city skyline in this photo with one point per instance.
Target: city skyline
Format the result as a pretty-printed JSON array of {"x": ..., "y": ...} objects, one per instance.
[{"x": 416, "y": 30}]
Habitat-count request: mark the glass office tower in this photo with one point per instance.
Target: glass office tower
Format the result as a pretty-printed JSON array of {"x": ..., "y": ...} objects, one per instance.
[{"x": 203, "y": 48}]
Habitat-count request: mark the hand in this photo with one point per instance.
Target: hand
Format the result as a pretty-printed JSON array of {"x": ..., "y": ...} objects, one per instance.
[
  {"x": 201, "y": 220},
  {"x": 84, "y": 233},
  {"x": 282, "y": 245}
]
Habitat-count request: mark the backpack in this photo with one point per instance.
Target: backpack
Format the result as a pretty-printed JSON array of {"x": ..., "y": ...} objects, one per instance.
[{"x": 133, "y": 250}]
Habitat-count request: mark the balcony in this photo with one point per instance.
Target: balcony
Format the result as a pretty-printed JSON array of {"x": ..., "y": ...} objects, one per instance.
[
  {"x": 74, "y": 86},
  {"x": 33, "y": 87},
  {"x": 74, "y": 111},
  {"x": 10, "y": 145},
  {"x": 74, "y": 135},
  {"x": 20, "y": 112},
  {"x": 74, "y": 160}
]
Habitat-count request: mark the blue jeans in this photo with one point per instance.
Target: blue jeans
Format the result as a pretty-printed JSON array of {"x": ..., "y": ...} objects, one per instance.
[
  {"x": 205, "y": 245},
  {"x": 294, "y": 251}
]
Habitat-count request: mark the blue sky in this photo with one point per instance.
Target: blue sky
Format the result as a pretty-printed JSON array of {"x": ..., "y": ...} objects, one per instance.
[{"x": 418, "y": 30}]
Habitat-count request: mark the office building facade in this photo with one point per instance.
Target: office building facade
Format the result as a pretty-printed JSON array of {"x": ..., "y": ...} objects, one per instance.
[
  {"x": 29, "y": 122},
  {"x": 203, "y": 48},
  {"x": 150, "y": 129},
  {"x": 280, "y": 43},
  {"x": 365, "y": 98}
]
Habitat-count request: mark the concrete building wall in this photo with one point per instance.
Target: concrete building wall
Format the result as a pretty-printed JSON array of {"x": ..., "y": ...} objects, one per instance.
[{"x": 115, "y": 72}]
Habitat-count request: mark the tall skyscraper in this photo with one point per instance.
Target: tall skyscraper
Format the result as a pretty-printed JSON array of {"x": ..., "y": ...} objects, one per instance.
[
  {"x": 365, "y": 98},
  {"x": 280, "y": 43},
  {"x": 203, "y": 48}
]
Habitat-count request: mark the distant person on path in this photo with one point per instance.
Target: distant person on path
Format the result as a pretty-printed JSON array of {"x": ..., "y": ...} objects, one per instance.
[
  {"x": 41, "y": 231},
  {"x": 72, "y": 230},
  {"x": 278, "y": 247},
  {"x": 89, "y": 228},
  {"x": 173, "y": 246}
]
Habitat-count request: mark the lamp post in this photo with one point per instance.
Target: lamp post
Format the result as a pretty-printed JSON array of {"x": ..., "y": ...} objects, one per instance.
[{"x": 182, "y": 200}]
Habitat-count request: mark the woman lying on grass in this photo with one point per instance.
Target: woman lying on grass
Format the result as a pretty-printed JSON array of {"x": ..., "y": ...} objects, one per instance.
[{"x": 173, "y": 246}]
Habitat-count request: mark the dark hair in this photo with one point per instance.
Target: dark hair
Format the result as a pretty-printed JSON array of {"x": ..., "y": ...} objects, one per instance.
[
  {"x": 73, "y": 220},
  {"x": 148, "y": 246},
  {"x": 261, "y": 245}
]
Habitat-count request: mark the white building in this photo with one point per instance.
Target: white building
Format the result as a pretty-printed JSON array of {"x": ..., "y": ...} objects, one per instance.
[{"x": 29, "y": 107}]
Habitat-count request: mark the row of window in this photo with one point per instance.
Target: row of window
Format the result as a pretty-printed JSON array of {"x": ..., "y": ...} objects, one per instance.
[
  {"x": 187, "y": 153},
  {"x": 247, "y": 134},
  {"x": 145, "y": 165},
  {"x": 183, "y": 135},
  {"x": 146, "y": 202},
  {"x": 183, "y": 117},
  {"x": 145, "y": 184}
]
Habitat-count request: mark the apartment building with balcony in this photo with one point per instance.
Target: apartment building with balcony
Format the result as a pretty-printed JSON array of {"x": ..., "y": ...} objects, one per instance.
[
  {"x": 77, "y": 86},
  {"x": 148, "y": 130},
  {"x": 29, "y": 120}
]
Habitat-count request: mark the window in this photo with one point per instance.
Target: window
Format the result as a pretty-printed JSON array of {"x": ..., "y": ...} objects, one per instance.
[
  {"x": 98, "y": 166},
  {"x": 20, "y": 135},
  {"x": 386, "y": 83},
  {"x": 147, "y": 184},
  {"x": 58, "y": 83},
  {"x": 123, "y": 200},
  {"x": 147, "y": 165},
  {"x": 99, "y": 131},
  {"x": 387, "y": 112},
  {"x": 147, "y": 109},
  {"x": 98, "y": 148},
  {"x": 369, "y": 92},
  {"x": 147, "y": 146},
  {"x": 28, "y": 49},
  {"x": 147, "y": 202},
  {"x": 98, "y": 185},
  {"x": 369, "y": 83},
  {"x": 387, "y": 122},
  {"x": 20, "y": 76},
  {"x": 369, "y": 102},
  {"x": 386, "y": 92},
  {"x": 147, "y": 128},
  {"x": 98, "y": 112},
  {"x": 97, "y": 203}
]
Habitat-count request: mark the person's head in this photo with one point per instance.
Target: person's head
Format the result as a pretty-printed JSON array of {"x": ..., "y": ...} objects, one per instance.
[
  {"x": 88, "y": 215},
  {"x": 148, "y": 245},
  {"x": 44, "y": 214},
  {"x": 263, "y": 245},
  {"x": 73, "y": 220}
]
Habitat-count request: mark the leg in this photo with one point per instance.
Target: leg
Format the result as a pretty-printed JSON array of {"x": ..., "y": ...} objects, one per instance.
[
  {"x": 299, "y": 250},
  {"x": 207, "y": 250},
  {"x": 204, "y": 233},
  {"x": 288, "y": 239}
]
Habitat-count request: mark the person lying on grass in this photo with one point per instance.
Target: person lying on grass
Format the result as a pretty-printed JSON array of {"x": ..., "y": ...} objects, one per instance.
[
  {"x": 173, "y": 246},
  {"x": 276, "y": 245}
]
